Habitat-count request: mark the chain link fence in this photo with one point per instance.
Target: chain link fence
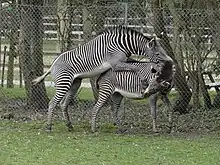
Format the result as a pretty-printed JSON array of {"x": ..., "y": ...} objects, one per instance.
[{"x": 32, "y": 37}]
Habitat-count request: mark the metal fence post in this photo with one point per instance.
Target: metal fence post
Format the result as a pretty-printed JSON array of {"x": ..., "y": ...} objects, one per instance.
[
  {"x": 126, "y": 13},
  {"x": 0, "y": 31},
  {"x": 3, "y": 65}
]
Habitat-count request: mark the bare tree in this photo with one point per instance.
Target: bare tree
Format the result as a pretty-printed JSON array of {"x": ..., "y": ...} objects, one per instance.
[
  {"x": 193, "y": 25},
  {"x": 12, "y": 43},
  {"x": 63, "y": 24},
  {"x": 214, "y": 21},
  {"x": 184, "y": 98},
  {"x": 31, "y": 49}
]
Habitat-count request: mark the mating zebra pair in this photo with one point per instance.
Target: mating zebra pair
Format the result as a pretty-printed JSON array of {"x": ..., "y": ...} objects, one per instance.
[{"x": 109, "y": 50}]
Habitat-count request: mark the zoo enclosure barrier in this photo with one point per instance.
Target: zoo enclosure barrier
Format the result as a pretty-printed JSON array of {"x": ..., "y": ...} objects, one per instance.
[{"x": 34, "y": 36}]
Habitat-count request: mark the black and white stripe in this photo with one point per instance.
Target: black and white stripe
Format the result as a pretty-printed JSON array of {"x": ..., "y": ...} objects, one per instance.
[
  {"x": 109, "y": 48},
  {"x": 119, "y": 84}
]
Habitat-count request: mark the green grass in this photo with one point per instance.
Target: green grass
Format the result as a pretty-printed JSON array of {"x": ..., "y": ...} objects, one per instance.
[
  {"x": 84, "y": 93},
  {"x": 20, "y": 93},
  {"x": 48, "y": 45},
  {"x": 27, "y": 143},
  {"x": 17, "y": 76}
]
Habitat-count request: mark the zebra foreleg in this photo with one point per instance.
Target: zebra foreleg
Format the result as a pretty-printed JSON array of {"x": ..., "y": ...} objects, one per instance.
[
  {"x": 66, "y": 100},
  {"x": 153, "y": 107},
  {"x": 116, "y": 102},
  {"x": 166, "y": 100}
]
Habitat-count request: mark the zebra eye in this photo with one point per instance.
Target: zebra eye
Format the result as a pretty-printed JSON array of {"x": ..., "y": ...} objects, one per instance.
[
  {"x": 157, "y": 53},
  {"x": 151, "y": 44}
]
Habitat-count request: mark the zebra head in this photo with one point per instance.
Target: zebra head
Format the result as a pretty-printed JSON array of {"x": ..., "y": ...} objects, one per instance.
[
  {"x": 155, "y": 51},
  {"x": 147, "y": 46},
  {"x": 130, "y": 41},
  {"x": 163, "y": 79},
  {"x": 163, "y": 86}
]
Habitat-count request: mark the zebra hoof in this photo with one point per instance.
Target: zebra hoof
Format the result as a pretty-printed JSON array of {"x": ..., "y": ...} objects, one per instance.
[
  {"x": 170, "y": 129},
  {"x": 70, "y": 127},
  {"x": 93, "y": 127},
  {"x": 48, "y": 128},
  {"x": 155, "y": 131},
  {"x": 121, "y": 131},
  {"x": 95, "y": 133}
]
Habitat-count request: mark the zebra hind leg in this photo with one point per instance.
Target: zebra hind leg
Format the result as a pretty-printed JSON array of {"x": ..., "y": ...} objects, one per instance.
[
  {"x": 62, "y": 87},
  {"x": 105, "y": 92},
  {"x": 52, "y": 105},
  {"x": 66, "y": 100},
  {"x": 65, "y": 112}
]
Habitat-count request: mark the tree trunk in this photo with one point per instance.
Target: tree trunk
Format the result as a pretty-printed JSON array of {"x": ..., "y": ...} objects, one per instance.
[
  {"x": 64, "y": 25},
  {"x": 32, "y": 56},
  {"x": 70, "y": 20},
  {"x": 0, "y": 33},
  {"x": 195, "y": 89},
  {"x": 185, "y": 94},
  {"x": 198, "y": 51},
  {"x": 99, "y": 15},
  {"x": 87, "y": 25},
  {"x": 205, "y": 93},
  {"x": 215, "y": 30},
  {"x": 38, "y": 97},
  {"x": 176, "y": 42},
  {"x": 12, "y": 41},
  {"x": 25, "y": 45}
]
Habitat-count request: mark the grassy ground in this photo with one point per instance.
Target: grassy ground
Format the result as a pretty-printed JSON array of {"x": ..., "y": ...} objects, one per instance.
[
  {"x": 23, "y": 140},
  {"x": 84, "y": 93},
  {"x": 26, "y": 143},
  {"x": 19, "y": 93}
]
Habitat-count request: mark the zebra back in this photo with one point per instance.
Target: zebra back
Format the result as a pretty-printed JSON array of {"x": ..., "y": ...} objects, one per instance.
[{"x": 129, "y": 80}]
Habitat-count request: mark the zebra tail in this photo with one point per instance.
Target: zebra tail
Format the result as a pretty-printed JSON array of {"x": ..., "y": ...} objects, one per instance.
[{"x": 41, "y": 78}]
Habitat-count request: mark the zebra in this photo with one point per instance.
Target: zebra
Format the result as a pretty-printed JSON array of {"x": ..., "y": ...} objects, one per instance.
[
  {"x": 109, "y": 49},
  {"x": 115, "y": 85}
]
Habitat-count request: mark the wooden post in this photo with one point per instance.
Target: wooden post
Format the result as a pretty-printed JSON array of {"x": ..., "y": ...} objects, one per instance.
[
  {"x": 212, "y": 80},
  {"x": 3, "y": 65},
  {"x": 20, "y": 72}
]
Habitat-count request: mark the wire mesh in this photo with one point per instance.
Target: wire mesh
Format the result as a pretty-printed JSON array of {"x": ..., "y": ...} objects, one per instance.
[{"x": 34, "y": 36}]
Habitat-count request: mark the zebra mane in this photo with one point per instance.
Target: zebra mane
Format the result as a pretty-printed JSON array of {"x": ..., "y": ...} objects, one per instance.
[
  {"x": 123, "y": 29},
  {"x": 167, "y": 70},
  {"x": 131, "y": 60}
]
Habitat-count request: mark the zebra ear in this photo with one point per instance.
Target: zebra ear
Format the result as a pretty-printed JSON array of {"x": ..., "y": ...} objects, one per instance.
[
  {"x": 159, "y": 38},
  {"x": 151, "y": 43}
]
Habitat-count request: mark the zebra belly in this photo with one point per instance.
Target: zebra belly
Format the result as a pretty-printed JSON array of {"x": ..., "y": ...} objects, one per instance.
[
  {"x": 95, "y": 72},
  {"x": 129, "y": 94}
]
